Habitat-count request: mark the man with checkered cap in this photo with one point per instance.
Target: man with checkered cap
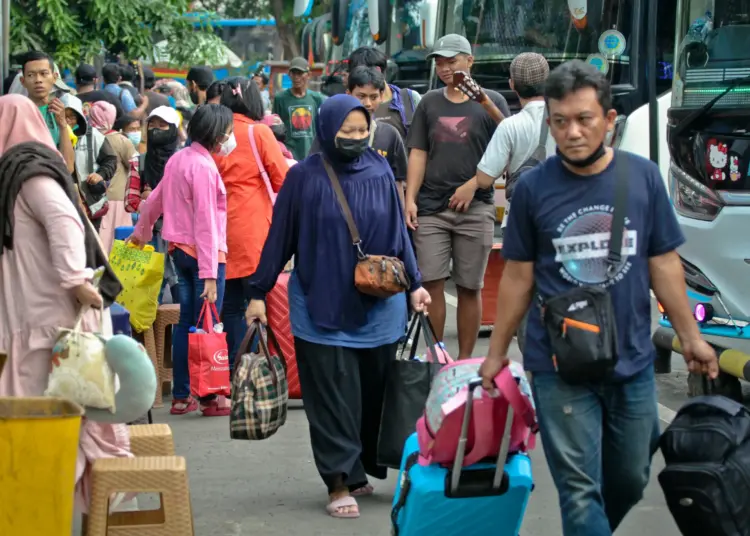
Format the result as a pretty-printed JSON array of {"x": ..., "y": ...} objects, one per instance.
[{"x": 517, "y": 140}]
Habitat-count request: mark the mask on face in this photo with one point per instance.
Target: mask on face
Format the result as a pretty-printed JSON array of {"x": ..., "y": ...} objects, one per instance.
[
  {"x": 585, "y": 162},
  {"x": 194, "y": 97},
  {"x": 350, "y": 149},
  {"x": 135, "y": 138},
  {"x": 228, "y": 146},
  {"x": 159, "y": 137}
]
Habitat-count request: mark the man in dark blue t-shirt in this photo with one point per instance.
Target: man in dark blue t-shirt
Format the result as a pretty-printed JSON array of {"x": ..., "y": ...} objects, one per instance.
[{"x": 598, "y": 438}]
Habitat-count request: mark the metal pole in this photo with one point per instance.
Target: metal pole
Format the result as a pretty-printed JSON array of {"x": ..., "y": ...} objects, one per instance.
[
  {"x": 653, "y": 105},
  {"x": 6, "y": 39}
]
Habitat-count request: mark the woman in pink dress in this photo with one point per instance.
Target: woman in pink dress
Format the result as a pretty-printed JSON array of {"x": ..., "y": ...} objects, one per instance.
[
  {"x": 47, "y": 256},
  {"x": 102, "y": 117}
]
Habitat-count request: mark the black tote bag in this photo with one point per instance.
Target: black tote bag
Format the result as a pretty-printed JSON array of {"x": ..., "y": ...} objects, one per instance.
[{"x": 406, "y": 391}]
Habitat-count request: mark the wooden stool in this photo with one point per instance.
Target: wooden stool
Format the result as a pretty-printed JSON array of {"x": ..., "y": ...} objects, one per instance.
[
  {"x": 151, "y": 440},
  {"x": 146, "y": 338},
  {"x": 166, "y": 475},
  {"x": 166, "y": 316}
]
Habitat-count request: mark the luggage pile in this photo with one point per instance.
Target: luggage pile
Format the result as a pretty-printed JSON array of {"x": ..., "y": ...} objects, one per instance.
[{"x": 467, "y": 468}]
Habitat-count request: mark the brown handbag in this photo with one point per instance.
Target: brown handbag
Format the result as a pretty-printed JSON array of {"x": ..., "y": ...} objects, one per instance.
[{"x": 374, "y": 275}]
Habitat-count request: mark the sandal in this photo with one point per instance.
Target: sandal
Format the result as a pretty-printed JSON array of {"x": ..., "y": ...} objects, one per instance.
[
  {"x": 218, "y": 407},
  {"x": 335, "y": 508},
  {"x": 363, "y": 491},
  {"x": 181, "y": 406}
]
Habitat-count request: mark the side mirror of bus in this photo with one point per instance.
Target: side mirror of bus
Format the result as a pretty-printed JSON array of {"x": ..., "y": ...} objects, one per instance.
[
  {"x": 695, "y": 55},
  {"x": 615, "y": 135},
  {"x": 428, "y": 11}
]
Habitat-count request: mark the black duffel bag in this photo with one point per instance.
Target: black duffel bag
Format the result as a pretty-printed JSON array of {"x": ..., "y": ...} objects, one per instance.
[{"x": 706, "y": 481}]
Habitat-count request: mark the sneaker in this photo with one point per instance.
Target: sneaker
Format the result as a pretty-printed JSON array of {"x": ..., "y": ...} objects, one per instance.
[
  {"x": 218, "y": 407},
  {"x": 181, "y": 406}
]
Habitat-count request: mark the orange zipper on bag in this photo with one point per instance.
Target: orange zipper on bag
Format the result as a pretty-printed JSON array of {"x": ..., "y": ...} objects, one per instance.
[{"x": 577, "y": 324}]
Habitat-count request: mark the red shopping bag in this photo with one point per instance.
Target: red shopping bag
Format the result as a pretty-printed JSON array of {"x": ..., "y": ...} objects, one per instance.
[{"x": 208, "y": 357}]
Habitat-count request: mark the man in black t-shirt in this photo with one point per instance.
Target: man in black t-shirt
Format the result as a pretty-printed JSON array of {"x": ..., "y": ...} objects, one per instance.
[
  {"x": 452, "y": 219},
  {"x": 86, "y": 82},
  {"x": 368, "y": 85}
]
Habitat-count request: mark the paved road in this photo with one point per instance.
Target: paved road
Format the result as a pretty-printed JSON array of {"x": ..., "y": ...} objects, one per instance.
[{"x": 272, "y": 488}]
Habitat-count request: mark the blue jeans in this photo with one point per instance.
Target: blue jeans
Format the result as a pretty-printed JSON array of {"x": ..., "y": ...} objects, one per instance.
[
  {"x": 598, "y": 441},
  {"x": 190, "y": 289},
  {"x": 170, "y": 272},
  {"x": 233, "y": 316}
]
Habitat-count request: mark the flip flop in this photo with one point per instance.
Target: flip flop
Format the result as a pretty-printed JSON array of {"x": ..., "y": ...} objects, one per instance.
[
  {"x": 334, "y": 508},
  {"x": 363, "y": 491}
]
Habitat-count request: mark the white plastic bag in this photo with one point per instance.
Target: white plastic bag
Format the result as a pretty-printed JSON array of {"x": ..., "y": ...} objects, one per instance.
[{"x": 80, "y": 371}]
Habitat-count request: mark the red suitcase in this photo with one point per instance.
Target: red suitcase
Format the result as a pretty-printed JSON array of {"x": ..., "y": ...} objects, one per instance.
[{"x": 277, "y": 310}]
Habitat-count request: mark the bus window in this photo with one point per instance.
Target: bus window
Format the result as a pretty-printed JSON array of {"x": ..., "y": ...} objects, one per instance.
[{"x": 597, "y": 31}]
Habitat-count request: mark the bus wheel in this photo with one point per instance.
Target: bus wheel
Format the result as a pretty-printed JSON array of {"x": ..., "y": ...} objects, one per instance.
[{"x": 725, "y": 385}]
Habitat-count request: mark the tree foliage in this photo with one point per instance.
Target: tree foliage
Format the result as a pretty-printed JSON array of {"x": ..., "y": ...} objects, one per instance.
[{"x": 77, "y": 30}]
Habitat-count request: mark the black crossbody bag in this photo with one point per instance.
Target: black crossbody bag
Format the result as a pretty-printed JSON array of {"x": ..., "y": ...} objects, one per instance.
[{"x": 581, "y": 322}]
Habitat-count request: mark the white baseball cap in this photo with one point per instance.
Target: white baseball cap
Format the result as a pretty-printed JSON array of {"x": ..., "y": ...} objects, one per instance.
[{"x": 166, "y": 113}]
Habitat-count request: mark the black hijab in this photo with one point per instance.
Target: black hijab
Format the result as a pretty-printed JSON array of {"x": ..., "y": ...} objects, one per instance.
[
  {"x": 160, "y": 146},
  {"x": 33, "y": 159}
]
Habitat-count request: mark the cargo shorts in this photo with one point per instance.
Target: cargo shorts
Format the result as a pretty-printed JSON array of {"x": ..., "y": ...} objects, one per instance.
[{"x": 464, "y": 237}]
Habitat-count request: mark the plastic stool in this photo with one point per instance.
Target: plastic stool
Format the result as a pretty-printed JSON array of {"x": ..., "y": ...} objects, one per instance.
[
  {"x": 166, "y": 475},
  {"x": 151, "y": 440},
  {"x": 166, "y": 316}
]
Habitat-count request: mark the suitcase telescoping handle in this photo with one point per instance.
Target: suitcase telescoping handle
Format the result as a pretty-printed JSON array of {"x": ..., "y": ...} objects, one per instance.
[{"x": 502, "y": 455}]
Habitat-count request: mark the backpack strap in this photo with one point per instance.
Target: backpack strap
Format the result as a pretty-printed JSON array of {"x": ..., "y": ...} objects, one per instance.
[
  {"x": 543, "y": 133},
  {"x": 614, "y": 257},
  {"x": 261, "y": 167},
  {"x": 408, "y": 111},
  {"x": 373, "y": 127},
  {"x": 90, "y": 148}
]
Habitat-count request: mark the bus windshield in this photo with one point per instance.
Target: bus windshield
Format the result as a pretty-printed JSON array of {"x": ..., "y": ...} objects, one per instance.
[
  {"x": 597, "y": 31},
  {"x": 713, "y": 50},
  {"x": 404, "y": 34}
]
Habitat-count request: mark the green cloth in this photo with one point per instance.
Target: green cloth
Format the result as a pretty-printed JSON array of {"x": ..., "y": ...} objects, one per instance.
[
  {"x": 299, "y": 116},
  {"x": 52, "y": 125}
]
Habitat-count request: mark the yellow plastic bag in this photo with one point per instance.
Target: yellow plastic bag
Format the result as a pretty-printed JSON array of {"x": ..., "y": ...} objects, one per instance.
[{"x": 141, "y": 272}]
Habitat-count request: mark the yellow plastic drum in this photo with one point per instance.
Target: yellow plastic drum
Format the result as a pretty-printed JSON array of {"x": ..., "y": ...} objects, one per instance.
[{"x": 38, "y": 450}]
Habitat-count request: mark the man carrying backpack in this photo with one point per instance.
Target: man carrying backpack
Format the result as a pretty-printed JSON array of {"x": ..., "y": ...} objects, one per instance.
[
  {"x": 591, "y": 229},
  {"x": 398, "y": 104},
  {"x": 520, "y": 141}
]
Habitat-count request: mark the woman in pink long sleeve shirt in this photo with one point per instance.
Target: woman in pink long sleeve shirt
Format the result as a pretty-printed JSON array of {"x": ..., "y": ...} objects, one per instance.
[{"x": 192, "y": 198}]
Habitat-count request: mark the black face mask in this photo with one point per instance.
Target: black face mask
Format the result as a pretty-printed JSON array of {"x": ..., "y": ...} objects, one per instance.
[
  {"x": 585, "y": 162},
  {"x": 350, "y": 149},
  {"x": 159, "y": 138},
  {"x": 195, "y": 97}
]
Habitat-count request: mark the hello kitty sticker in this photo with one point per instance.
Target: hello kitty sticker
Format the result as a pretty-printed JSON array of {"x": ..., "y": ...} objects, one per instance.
[
  {"x": 734, "y": 167},
  {"x": 718, "y": 158}
]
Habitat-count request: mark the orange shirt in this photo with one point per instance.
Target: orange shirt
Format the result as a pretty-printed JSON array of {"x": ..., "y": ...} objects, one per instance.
[{"x": 249, "y": 207}]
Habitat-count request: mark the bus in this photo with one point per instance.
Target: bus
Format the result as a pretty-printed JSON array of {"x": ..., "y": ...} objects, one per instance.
[
  {"x": 251, "y": 41},
  {"x": 709, "y": 180},
  {"x": 610, "y": 34}
]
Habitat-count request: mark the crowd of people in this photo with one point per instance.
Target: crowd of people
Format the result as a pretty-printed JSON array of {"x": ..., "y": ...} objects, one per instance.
[{"x": 232, "y": 183}]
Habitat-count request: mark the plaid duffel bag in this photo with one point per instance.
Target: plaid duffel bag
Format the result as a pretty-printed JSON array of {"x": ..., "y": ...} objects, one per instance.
[{"x": 260, "y": 392}]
